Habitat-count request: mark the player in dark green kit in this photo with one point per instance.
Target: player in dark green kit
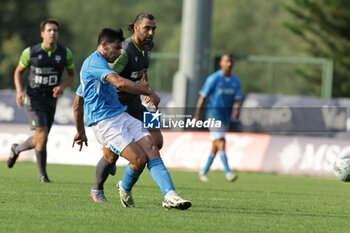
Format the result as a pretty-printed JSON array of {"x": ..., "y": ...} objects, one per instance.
[
  {"x": 133, "y": 64},
  {"x": 46, "y": 62}
]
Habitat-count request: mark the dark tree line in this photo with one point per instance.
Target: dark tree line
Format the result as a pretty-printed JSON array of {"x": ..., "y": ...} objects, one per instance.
[
  {"x": 17, "y": 20},
  {"x": 324, "y": 26}
]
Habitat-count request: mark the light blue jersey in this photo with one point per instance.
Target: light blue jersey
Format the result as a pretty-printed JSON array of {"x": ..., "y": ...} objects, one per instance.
[
  {"x": 100, "y": 97},
  {"x": 222, "y": 93}
]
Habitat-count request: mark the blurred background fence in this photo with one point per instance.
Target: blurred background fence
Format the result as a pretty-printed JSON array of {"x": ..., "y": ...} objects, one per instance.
[{"x": 259, "y": 74}]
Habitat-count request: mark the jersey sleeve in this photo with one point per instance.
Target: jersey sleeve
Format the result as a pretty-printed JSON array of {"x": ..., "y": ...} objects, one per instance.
[
  {"x": 69, "y": 58},
  {"x": 79, "y": 91},
  {"x": 99, "y": 69},
  {"x": 24, "y": 61},
  {"x": 208, "y": 86},
  {"x": 120, "y": 63}
]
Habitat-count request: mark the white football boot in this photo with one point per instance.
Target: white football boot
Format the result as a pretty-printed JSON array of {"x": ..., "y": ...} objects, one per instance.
[
  {"x": 231, "y": 176},
  {"x": 176, "y": 202},
  {"x": 203, "y": 177},
  {"x": 125, "y": 197}
]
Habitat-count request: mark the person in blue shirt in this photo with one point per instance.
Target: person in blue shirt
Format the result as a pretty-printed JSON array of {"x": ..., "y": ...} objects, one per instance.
[
  {"x": 114, "y": 128},
  {"x": 223, "y": 91},
  {"x": 133, "y": 64}
]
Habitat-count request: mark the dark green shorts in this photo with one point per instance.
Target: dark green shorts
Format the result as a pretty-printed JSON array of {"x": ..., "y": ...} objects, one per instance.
[{"x": 40, "y": 113}]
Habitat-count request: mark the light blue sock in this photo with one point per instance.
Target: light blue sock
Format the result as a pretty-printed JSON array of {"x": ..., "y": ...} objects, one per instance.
[
  {"x": 224, "y": 161},
  {"x": 160, "y": 175},
  {"x": 209, "y": 162},
  {"x": 130, "y": 178}
]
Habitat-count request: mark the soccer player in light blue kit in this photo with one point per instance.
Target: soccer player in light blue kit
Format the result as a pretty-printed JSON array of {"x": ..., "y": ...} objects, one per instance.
[
  {"x": 223, "y": 89},
  {"x": 115, "y": 129}
]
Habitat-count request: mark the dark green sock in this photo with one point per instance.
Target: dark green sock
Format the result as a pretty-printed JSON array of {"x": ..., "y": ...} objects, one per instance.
[
  {"x": 26, "y": 145},
  {"x": 41, "y": 161},
  {"x": 103, "y": 169}
]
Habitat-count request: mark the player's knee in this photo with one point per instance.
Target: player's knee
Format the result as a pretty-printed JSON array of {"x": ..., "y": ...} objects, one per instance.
[
  {"x": 150, "y": 146},
  {"x": 220, "y": 144},
  {"x": 40, "y": 144},
  {"x": 155, "y": 149},
  {"x": 152, "y": 153},
  {"x": 41, "y": 138},
  {"x": 41, "y": 133},
  {"x": 159, "y": 143},
  {"x": 140, "y": 163},
  {"x": 109, "y": 155}
]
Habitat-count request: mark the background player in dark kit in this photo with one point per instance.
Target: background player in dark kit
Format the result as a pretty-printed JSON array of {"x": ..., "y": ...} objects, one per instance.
[{"x": 46, "y": 62}]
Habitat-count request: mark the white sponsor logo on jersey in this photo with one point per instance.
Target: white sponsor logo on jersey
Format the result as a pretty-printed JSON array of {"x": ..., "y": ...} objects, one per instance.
[{"x": 58, "y": 58}]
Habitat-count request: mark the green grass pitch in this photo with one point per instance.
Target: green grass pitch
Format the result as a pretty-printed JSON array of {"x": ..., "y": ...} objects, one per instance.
[{"x": 256, "y": 202}]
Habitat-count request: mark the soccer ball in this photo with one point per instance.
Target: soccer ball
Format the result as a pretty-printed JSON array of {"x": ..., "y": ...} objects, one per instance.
[{"x": 341, "y": 168}]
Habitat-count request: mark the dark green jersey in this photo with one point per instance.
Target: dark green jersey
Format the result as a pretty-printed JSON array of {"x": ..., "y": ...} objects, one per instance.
[
  {"x": 132, "y": 64},
  {"x": 45, "y": 68}
]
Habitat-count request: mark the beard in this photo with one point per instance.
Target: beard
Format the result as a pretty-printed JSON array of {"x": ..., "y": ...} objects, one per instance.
[{"x": 146, "y": 40}]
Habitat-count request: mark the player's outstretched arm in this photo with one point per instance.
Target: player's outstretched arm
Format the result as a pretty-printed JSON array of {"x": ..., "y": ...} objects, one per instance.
[
  {"x": 78, "y": 108},
  {"x": 144, "y": 81},
  {"x": 132, "y": 87}
]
